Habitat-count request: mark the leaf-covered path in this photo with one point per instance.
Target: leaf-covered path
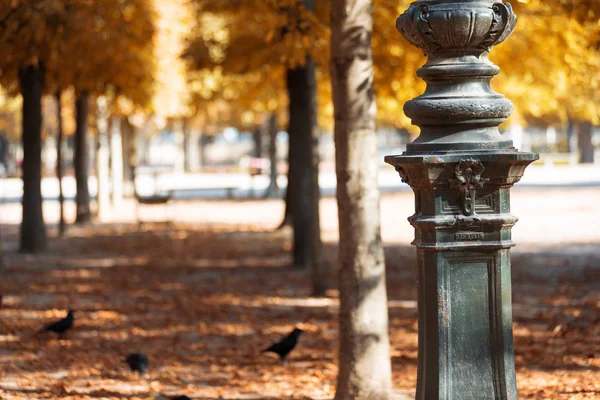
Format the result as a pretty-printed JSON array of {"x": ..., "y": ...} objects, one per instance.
[{"x": 202, "y": 300}]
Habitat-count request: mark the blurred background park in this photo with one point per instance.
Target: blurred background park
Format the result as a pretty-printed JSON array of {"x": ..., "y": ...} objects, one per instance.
[{"x": 172, "y": 163}]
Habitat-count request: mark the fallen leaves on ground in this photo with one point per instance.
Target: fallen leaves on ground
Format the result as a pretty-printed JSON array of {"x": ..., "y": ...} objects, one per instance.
[{"x": 202, "y": 302}]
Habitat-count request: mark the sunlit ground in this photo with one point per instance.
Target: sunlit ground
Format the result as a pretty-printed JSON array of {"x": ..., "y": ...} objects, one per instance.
[{"x": 203, "y": 297}]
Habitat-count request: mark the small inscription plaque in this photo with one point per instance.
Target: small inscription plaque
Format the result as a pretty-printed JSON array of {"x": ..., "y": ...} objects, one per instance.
[{"x": 468, "y": 236}]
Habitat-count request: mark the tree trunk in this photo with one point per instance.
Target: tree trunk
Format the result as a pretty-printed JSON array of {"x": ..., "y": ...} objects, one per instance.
[
  {"x": 102, "y": 157},
  {"x": 2, "y": 262},
  {"x": 33, "y": 229},
  {"x": 59, "y": 164},
  {"x": 116, "y": 159},
  {"x": 179, "y": 135},
  {"x": 273, "y": 189},
  {"x": 4, "y": 149},
  {"x": 318, "y": 273},
  {"x": 584, "y": 140},
  {"x": 257, "y": 136},
  {"x": 186, "y": 146},
  {"x": 301, "y": 88},
  {"x": 128, "y": 154},
  {"x": 200, "y": 143},
  {"x": 571, "y": 137},
  {"x": 192, "y": 148},
  {"x": 364, "y": 352},
  {"x": 287, "y": 214},
  {"x": 81, "y": 159}
]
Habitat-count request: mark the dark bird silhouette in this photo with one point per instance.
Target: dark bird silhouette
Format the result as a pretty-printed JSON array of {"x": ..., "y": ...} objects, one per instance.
[
  {"x": 137, "y": 362},
  {"x": 286, "y": 345},
  {"x": 181, "y": 398},
  {"x": 60, "y": 326}
]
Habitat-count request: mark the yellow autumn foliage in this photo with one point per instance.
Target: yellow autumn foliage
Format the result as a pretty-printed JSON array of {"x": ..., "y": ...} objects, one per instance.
[
  {"x": 550, "y": 66},
  {"x": 93, "y": 46}
]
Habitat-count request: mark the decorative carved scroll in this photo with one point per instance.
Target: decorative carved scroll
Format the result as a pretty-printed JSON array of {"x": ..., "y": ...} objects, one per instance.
[
  {"x": 467, "y": 179},
  {"x": 403, "y": 175}
]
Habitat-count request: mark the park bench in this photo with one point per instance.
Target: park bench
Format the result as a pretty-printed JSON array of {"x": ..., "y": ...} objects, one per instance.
[
  {"x": 259, "y": 166},
  {"x": 254, "y": 166},
  {"x": 156, "y": 196}
]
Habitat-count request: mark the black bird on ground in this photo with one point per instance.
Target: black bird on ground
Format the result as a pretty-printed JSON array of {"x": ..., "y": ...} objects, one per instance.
[
  {"x": 137, "y": 362},
  {"x": 60, "y": 326},
  {"x": 286, "y": 345},
  {"x": 184, "y": 397}
]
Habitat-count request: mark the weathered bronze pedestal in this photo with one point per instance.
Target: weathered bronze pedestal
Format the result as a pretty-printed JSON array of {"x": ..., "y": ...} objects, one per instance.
[{"x": 461, "y": 170}]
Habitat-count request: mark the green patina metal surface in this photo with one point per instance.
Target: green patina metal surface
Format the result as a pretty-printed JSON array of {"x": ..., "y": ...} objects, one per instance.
[
  {"x": 461, "y": 170},
  {"x": 465, "y": 331}
]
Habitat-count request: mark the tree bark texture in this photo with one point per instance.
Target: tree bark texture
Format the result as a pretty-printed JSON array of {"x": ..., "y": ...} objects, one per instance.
[
  {"x": 81, "y": 159},
  {"x": 301, "y": 88},
  {"x": 33, "y": 229},
  {"x": 271, "y": 125},
  {"x": 364, "y": 352},
  {"x": 584, "y": 140},
  {"x": 59, "y": 164}
]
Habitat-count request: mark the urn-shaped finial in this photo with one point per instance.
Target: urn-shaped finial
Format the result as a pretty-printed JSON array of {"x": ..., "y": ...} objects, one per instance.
[
  {"x": 452, "y": 26},
  {"x": 459, "y": 110}
]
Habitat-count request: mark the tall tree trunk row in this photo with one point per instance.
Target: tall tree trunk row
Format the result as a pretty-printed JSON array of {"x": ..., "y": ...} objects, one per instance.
[
  {"x": 571, "y": 137},
  {"x": 584, "y": 140},
  {"x": 301, "y": 89},
  {"x": 193, "y": 156},
  {"x": 287, "y": 213},
  {"x": 257, "y": 136},
  {"x": 271, "y": 126},
  {"x": 179, "y": 130},
  {"x": 59, "y": 164},
  {"x": 116, "y": 159},
  {"x": 81, "y": 158},
  {"x": 364, "y": 352},
  {"x": 102, "y": 159},
  {"x": 33, "y": 229},
  {"x": 318, "y": 273},
  {"x": 2, "y": 262},
  {"x": 128, "y": 155}
]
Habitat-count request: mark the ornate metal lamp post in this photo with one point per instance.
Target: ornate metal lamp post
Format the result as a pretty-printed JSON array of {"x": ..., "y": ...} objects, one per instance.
[{"x": 461, "y": 170}]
